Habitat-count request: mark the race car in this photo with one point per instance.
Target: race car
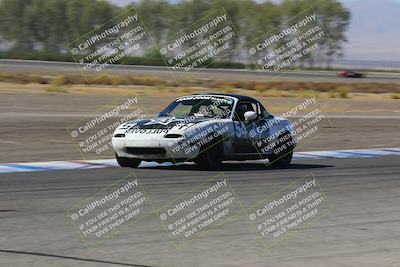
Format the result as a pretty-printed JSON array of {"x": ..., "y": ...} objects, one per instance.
[
  {"x": 206, "y": 129},
  {"x": 350, "y": 74}
]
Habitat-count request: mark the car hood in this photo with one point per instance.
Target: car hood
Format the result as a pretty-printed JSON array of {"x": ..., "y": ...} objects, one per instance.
[{"x": 164, "y": 124}]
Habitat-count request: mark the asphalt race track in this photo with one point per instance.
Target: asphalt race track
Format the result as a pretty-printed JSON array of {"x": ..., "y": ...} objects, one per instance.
[
  {"x": 49, "y": 67},
  {"x": 362, "y": 229}
]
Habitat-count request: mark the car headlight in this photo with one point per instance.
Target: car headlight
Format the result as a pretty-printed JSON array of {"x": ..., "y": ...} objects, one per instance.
[{"x": 172, "y": 136}]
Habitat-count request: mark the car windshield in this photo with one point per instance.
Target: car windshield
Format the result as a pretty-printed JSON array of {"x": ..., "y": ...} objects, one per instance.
[{"x": 200, "y": 106}]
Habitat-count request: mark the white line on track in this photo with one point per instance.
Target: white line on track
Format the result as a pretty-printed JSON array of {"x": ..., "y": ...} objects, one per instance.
[{"x": 107, "y": 163}]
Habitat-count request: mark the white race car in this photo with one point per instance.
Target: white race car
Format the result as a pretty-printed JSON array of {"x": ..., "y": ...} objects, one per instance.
[{"x": 206, "y": 129}]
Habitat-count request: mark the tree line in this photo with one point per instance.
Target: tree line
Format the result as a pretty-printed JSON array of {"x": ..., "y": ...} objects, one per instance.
[{"x": 46, "y": 27}]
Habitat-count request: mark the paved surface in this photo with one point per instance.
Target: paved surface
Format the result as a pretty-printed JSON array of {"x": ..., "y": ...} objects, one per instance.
[
  {"x": 34, "y": 125},
  {"x": 363, "y": 229},
  {"x": 48, "y": 67},
  {"x": 107, "y": 163},
  {"x": 46, "y": 139}
]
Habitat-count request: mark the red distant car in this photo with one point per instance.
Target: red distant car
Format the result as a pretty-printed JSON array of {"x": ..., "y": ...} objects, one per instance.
[{"x": 351, "y": 74}]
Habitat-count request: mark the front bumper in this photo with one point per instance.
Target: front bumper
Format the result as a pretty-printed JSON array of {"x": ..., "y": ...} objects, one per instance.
[{"x": 167, "y": 149}]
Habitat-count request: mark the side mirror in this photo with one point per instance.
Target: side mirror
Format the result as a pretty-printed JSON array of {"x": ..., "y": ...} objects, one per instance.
[{"x": 250, "y": 116}]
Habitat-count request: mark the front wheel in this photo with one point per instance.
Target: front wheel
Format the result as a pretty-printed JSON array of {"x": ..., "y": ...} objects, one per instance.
[
  {"x": 210, "y": 157},
  {"x": 128, "y": 162},
  {"x": 283, "y": 151}
]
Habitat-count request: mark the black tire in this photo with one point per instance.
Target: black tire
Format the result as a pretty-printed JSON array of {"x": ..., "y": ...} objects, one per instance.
[
  {"x": 128, "y": 162},
  {"x": 284, "y": 156},
  {"x": 210, "y": 157}
]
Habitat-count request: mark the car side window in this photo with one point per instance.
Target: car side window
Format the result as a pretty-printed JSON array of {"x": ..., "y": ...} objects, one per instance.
[
  {"x": 244, "y": 106},
  {"x": 263, "y": 112}
]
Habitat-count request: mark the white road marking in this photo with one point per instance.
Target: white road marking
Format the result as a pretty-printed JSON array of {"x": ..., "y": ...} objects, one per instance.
[{"x": 106, "y": 163}]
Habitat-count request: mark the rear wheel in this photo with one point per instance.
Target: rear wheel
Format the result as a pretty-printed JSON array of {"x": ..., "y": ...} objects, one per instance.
[
  {"x": 283, "y": 151},
  {"x": 128, "y": 162},
  {"x": 210, "y": 157}
]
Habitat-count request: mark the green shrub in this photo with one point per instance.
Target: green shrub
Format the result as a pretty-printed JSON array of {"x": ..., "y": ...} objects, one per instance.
[
  {"x": 39, "y": 79},
  {"x": 59, "y": 80},
  {"x": 342, "y": 91},
  {"x": 228, "y": 90},
  {"x": 187, "y": 90},
  {"x": 395, "y": 96},
  {"x": 147, "y": 81},
  {"x": 56, "y": 89}
]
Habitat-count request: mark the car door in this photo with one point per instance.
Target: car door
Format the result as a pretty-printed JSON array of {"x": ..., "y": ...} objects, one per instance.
[
  {"x": 260, "y": 132},
  {"x": 246, "y": 134}
]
